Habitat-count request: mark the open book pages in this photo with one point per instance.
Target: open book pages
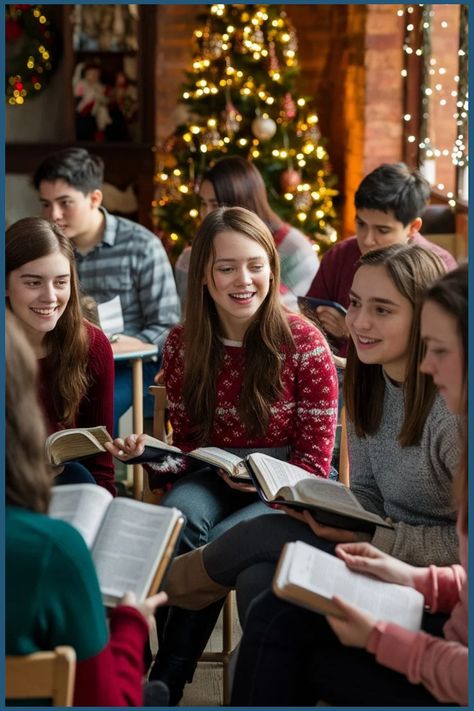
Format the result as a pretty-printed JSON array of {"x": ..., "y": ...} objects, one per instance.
[
  {"x": 331, "y": 503},
  {"x": 162, "y": 453},
  {"x": 310, "y": 577},
  {"x": 132, "y": 543},
  {"x": 67, "y": 445}
]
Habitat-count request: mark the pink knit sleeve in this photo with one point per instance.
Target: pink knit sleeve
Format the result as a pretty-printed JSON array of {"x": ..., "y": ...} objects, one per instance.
[{"x": 440, "y": 665}]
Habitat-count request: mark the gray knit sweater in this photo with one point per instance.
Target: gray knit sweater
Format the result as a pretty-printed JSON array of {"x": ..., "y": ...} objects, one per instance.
[{"x": 410, "y": 485}]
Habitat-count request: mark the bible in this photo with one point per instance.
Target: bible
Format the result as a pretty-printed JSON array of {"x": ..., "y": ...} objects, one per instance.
[
  {"x": 132, "y": 543},
  {"x": 330, "y": 502},
  {"x": 67, "y": 445},
  {"x": 161, "y": 458},
  {"x": 309, "y": 577}
]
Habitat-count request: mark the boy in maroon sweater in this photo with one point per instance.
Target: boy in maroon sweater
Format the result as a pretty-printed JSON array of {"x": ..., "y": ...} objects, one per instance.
[{"x": 389, "y": 202}]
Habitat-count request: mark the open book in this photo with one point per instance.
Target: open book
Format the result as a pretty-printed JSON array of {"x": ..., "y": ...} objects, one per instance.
[
  {"x": 67, "y": 445},
  {"x": 310, "y": 577},
  {"x": 132, "y": 543},
  {"x": 161, "y": 457},
  {"x": 330, "y": 502}
]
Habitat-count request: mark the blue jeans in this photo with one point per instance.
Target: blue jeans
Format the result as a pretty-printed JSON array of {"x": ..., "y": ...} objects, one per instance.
[
  {"x": 211, "y": 507},
  {"x": 123, "y": 390},
  {"x": 74, "y": 473}
]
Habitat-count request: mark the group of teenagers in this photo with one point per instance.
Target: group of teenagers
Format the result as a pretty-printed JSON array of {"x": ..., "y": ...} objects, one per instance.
[{"x": 246, "y": 373}]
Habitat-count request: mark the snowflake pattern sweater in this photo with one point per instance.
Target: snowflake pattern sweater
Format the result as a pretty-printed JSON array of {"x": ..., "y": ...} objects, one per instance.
[{"x": 304, "y": 417}]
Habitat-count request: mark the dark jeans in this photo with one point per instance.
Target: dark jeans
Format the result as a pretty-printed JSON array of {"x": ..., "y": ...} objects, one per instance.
[
  {"x": 245, "y": 556},
  {"x": 74, "y": 473},
  {"x": 123, "y": 391},
  {"x": 289, "y": 656}
]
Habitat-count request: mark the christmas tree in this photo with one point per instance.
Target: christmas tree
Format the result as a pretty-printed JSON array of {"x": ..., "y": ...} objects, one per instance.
[{"x": 240, "y": 99}]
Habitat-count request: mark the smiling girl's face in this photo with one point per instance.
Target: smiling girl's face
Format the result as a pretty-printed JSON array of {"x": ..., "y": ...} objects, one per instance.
[
  {"x": 38, "y": 293},
  {"x": 238, "y": 280},
  {"x": 379, "y": 320}
]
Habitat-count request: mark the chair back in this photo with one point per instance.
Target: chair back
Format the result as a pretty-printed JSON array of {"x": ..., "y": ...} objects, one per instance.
[{"x": 42, "y": 675}]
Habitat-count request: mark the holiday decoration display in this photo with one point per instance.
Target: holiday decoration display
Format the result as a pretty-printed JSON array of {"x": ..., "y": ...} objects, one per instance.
[
  {"x": 241, "y": 99},
  {"x": 31, "y": 51}
]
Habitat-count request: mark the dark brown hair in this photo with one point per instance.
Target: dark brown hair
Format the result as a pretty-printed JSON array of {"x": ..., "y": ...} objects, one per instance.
[
  {"x": 412, "y": 269},
  {"x": 67, "y": 345},
  {"x": 450, "y": 293},
  {"x": 263, "y": 341},
  {"x": 238, "y": 183},
  {"x": 28, "y": 478}
]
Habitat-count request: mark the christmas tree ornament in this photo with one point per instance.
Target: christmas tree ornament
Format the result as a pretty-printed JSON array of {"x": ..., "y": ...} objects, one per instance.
[
  {"x": 288, "y": 107},
  {"x": 289, "y": 180},
  {"x": 211, "y": 138},
  {"x": 273, "y": 63},
  {"x": 231, "y": 118},
  {"x": 263, "y": 128},
  {"x": 303, "y": 200},
  {"x": 215, "y": 46}
]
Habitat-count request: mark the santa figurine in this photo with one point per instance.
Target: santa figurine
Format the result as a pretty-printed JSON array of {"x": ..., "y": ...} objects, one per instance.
[{"x": 92, "y": 113}]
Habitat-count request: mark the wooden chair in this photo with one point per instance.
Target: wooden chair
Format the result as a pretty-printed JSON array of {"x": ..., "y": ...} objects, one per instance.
[
  {"x": 42, "y": 675},
  {"x": 160, "y": 431}
]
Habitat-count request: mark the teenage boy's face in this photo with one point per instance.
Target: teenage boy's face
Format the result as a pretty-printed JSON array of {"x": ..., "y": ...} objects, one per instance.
[
  {"x": 375, "y": 229},
  {"x": 70, "y": 209}
]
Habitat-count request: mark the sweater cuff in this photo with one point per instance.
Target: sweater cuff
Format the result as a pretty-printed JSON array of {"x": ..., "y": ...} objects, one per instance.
[
  {"x": 392, "y": 645},
  {"x": 125, "y": 618}
]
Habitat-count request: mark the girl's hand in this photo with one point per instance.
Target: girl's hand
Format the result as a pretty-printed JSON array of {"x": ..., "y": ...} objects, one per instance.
[
  {"x": 237, "y": 485},
  {"x": 353, "y": 627},
  {"x": 332, "y": 321},
  {"x": 365, "y": 558},
  {"x": 125, "y": 449},
  {"x": 147, "y": 607},
  {"x": 329, "y": 533}
]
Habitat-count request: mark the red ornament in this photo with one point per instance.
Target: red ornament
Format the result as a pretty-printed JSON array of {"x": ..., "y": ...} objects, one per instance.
[
  {"x": 289, "y": 180},
  {"x": 13, "y": 30}
]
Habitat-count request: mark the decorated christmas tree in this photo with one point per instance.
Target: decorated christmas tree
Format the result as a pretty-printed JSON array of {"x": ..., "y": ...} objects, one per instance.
[{"x": 240, "y": 99}]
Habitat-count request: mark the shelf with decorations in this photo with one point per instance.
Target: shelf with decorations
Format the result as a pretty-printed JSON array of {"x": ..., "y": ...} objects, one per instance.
[{"x": 110, "y": 111}]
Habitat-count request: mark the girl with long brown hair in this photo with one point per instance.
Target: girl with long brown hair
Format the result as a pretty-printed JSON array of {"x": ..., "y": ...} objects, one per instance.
[
  {"x": 245, "y": 375},
  {"x": 75, "y": 359}
]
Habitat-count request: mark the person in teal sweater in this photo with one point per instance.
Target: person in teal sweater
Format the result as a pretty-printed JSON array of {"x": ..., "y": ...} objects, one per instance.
[{"x": 52, "y": 591}]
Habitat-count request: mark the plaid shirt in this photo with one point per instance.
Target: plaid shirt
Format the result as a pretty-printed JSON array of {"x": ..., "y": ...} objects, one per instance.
[{"x": 131, "y": 261}]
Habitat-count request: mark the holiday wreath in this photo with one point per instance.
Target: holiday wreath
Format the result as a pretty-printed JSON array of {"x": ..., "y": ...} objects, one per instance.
[{"x": 31, "y": 51}]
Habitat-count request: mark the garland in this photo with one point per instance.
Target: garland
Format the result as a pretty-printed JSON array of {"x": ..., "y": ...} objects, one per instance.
[{"x": 30, "y": 48}]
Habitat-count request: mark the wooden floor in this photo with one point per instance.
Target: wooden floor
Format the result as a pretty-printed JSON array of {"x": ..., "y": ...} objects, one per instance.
[{"x": 206, "y": 687}]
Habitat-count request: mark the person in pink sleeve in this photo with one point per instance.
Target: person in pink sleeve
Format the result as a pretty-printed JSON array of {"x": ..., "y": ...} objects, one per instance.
[
  {"x": 75, "y": 361},
  {"x": 389, "y": 203},
  {"x": 292, "y": 657}
]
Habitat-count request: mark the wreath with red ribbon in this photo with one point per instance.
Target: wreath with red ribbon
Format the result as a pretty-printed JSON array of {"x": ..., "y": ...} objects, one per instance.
[{"x": 30, "y": 50}]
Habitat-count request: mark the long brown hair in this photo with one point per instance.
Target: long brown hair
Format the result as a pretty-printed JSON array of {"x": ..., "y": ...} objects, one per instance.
[
  {"x": 28, "y": 479},
  {"x": 67, "y": 345},
  {"x": 264, "y": 340},
  {"x": 450, "y": 293},
  {"x": 238, "y": 183},
  {"x": 412, "y": 269}
]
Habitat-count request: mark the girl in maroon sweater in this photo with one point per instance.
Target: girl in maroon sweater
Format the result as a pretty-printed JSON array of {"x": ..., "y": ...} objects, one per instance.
[{"x": 76, "y": 368}]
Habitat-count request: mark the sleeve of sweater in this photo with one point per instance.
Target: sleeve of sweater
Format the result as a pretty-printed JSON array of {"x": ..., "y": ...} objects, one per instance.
[
  {"x": 97, "y": 406},
  {"x": 114, "y": 676},
  {"x": 440, "y": 665},
  {"x": 298, "y": 260},
  {"x": 316, "y": 401},
  {"x": 173, "y": 367},
  {"x": 321, "y": 285}
]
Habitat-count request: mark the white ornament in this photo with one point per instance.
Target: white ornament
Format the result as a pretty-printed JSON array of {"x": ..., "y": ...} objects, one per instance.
[{"x": 263, "y": 128}]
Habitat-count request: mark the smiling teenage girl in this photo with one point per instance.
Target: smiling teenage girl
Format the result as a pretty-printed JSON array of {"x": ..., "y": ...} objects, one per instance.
[
  {"x": 75, "y": 360},
  {"x": 244, "y": 375},
  {"x": 403, "y": 446},
  {"x": 381, "y": 663}
]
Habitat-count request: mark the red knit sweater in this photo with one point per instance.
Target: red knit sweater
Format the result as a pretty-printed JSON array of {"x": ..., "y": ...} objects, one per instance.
[{"x": 304, "y": 417}]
